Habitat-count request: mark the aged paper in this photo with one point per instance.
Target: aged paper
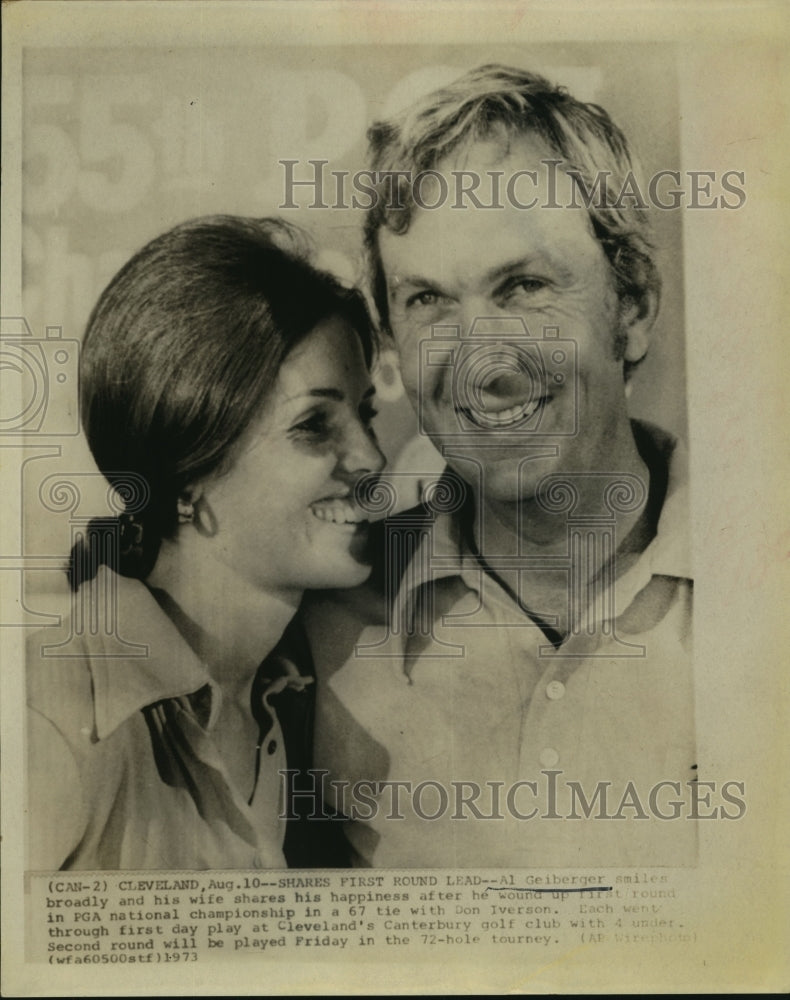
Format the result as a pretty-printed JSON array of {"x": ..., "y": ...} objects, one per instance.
[{"x": 123, "y": 120}]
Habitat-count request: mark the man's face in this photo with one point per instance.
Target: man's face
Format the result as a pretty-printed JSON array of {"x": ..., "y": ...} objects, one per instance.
[{"x": 542, "y": 265}]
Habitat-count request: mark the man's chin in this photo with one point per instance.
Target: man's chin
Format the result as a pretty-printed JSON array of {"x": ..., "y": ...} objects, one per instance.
[
  {"x": 509, "y": 493},
  {"x": 503, "y": 481}
]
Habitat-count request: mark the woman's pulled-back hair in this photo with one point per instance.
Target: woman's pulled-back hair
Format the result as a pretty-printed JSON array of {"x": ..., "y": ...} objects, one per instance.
[{"x": 180, "y": 353}]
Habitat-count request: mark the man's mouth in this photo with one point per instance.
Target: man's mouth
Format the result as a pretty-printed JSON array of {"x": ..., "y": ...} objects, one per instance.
[
  {"x": 505, "y": 416},
  {"x": 338, "y": 510}
]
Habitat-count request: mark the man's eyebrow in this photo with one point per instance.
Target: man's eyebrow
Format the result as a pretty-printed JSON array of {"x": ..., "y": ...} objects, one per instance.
[
  {"x": 517, "y": 264},
  {"x": 400, "y": 282}
]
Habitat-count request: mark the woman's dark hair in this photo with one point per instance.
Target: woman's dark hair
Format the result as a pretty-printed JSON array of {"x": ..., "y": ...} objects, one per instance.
[{"x": 179, "y": 355}]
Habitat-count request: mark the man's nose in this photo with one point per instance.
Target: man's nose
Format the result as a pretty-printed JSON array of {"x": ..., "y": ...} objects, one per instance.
[
  {"x": 481, "y": 318},
  {"x": 476, "y": 311},
  {"x": 493, "y": 362}
]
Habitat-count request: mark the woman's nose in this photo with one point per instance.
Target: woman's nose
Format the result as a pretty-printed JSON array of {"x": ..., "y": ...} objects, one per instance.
[{"x": 361, "y": 452}]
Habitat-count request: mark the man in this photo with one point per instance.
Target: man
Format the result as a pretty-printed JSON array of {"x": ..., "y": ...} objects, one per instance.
[{"x": 513, "y": 686}]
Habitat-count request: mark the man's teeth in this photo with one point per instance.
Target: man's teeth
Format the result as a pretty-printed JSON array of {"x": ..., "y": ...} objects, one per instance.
[
  {"x": 505, "y": 418},
  {"x": 338, "y": 510}
]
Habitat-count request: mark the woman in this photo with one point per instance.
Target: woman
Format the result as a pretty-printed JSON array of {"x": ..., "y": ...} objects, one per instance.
[{"x": 231, "y": 379}]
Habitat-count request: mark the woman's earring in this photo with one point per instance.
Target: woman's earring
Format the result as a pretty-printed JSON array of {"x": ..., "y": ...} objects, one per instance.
[
  {"x": 205, "y": 521},
  {"x": 186, "y": 510}
]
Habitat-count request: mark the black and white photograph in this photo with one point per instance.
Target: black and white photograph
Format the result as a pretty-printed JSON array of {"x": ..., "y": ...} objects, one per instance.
[{"x": 394, "y": 445}]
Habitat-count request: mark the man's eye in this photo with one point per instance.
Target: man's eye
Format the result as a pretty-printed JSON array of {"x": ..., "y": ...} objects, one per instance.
[
  {"x": 426, "y": 298},
  {"x": 524, "y": 286}
]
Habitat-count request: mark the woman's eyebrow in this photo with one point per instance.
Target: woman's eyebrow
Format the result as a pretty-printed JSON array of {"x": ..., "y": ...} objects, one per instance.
[
  {"x": 332, "y": 393},
  {"x": 327, "y": 394}
]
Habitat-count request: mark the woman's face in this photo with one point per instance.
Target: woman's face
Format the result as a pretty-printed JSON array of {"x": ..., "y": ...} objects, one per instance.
[{"x": 284, "y": 513}]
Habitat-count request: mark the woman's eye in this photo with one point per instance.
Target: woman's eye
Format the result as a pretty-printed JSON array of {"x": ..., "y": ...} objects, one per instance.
[{"x": 316, "y": 425}]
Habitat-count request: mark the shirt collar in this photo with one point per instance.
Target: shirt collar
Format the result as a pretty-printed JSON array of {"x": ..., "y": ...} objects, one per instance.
[
  {"x": 162, "y": 665},
  {"x": 669, "y": 554},
  {"x": 443, "y": 552}
]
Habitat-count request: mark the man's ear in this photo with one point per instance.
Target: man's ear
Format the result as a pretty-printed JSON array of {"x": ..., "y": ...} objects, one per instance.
[{"x": 637, "y": 317}]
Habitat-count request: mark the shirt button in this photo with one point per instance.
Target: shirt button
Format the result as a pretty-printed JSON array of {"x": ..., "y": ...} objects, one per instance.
[
  {"x": 555, "y": 690},
  {"x": 271, "y": 746},
  {"x": 549, "y": 757}
]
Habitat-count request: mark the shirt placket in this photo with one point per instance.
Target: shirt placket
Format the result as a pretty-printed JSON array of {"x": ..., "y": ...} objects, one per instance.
[
  {"x": 253, "y": 818},
  {"x": 554, "y": 701},
  {"x": 551, "y": 730}
]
